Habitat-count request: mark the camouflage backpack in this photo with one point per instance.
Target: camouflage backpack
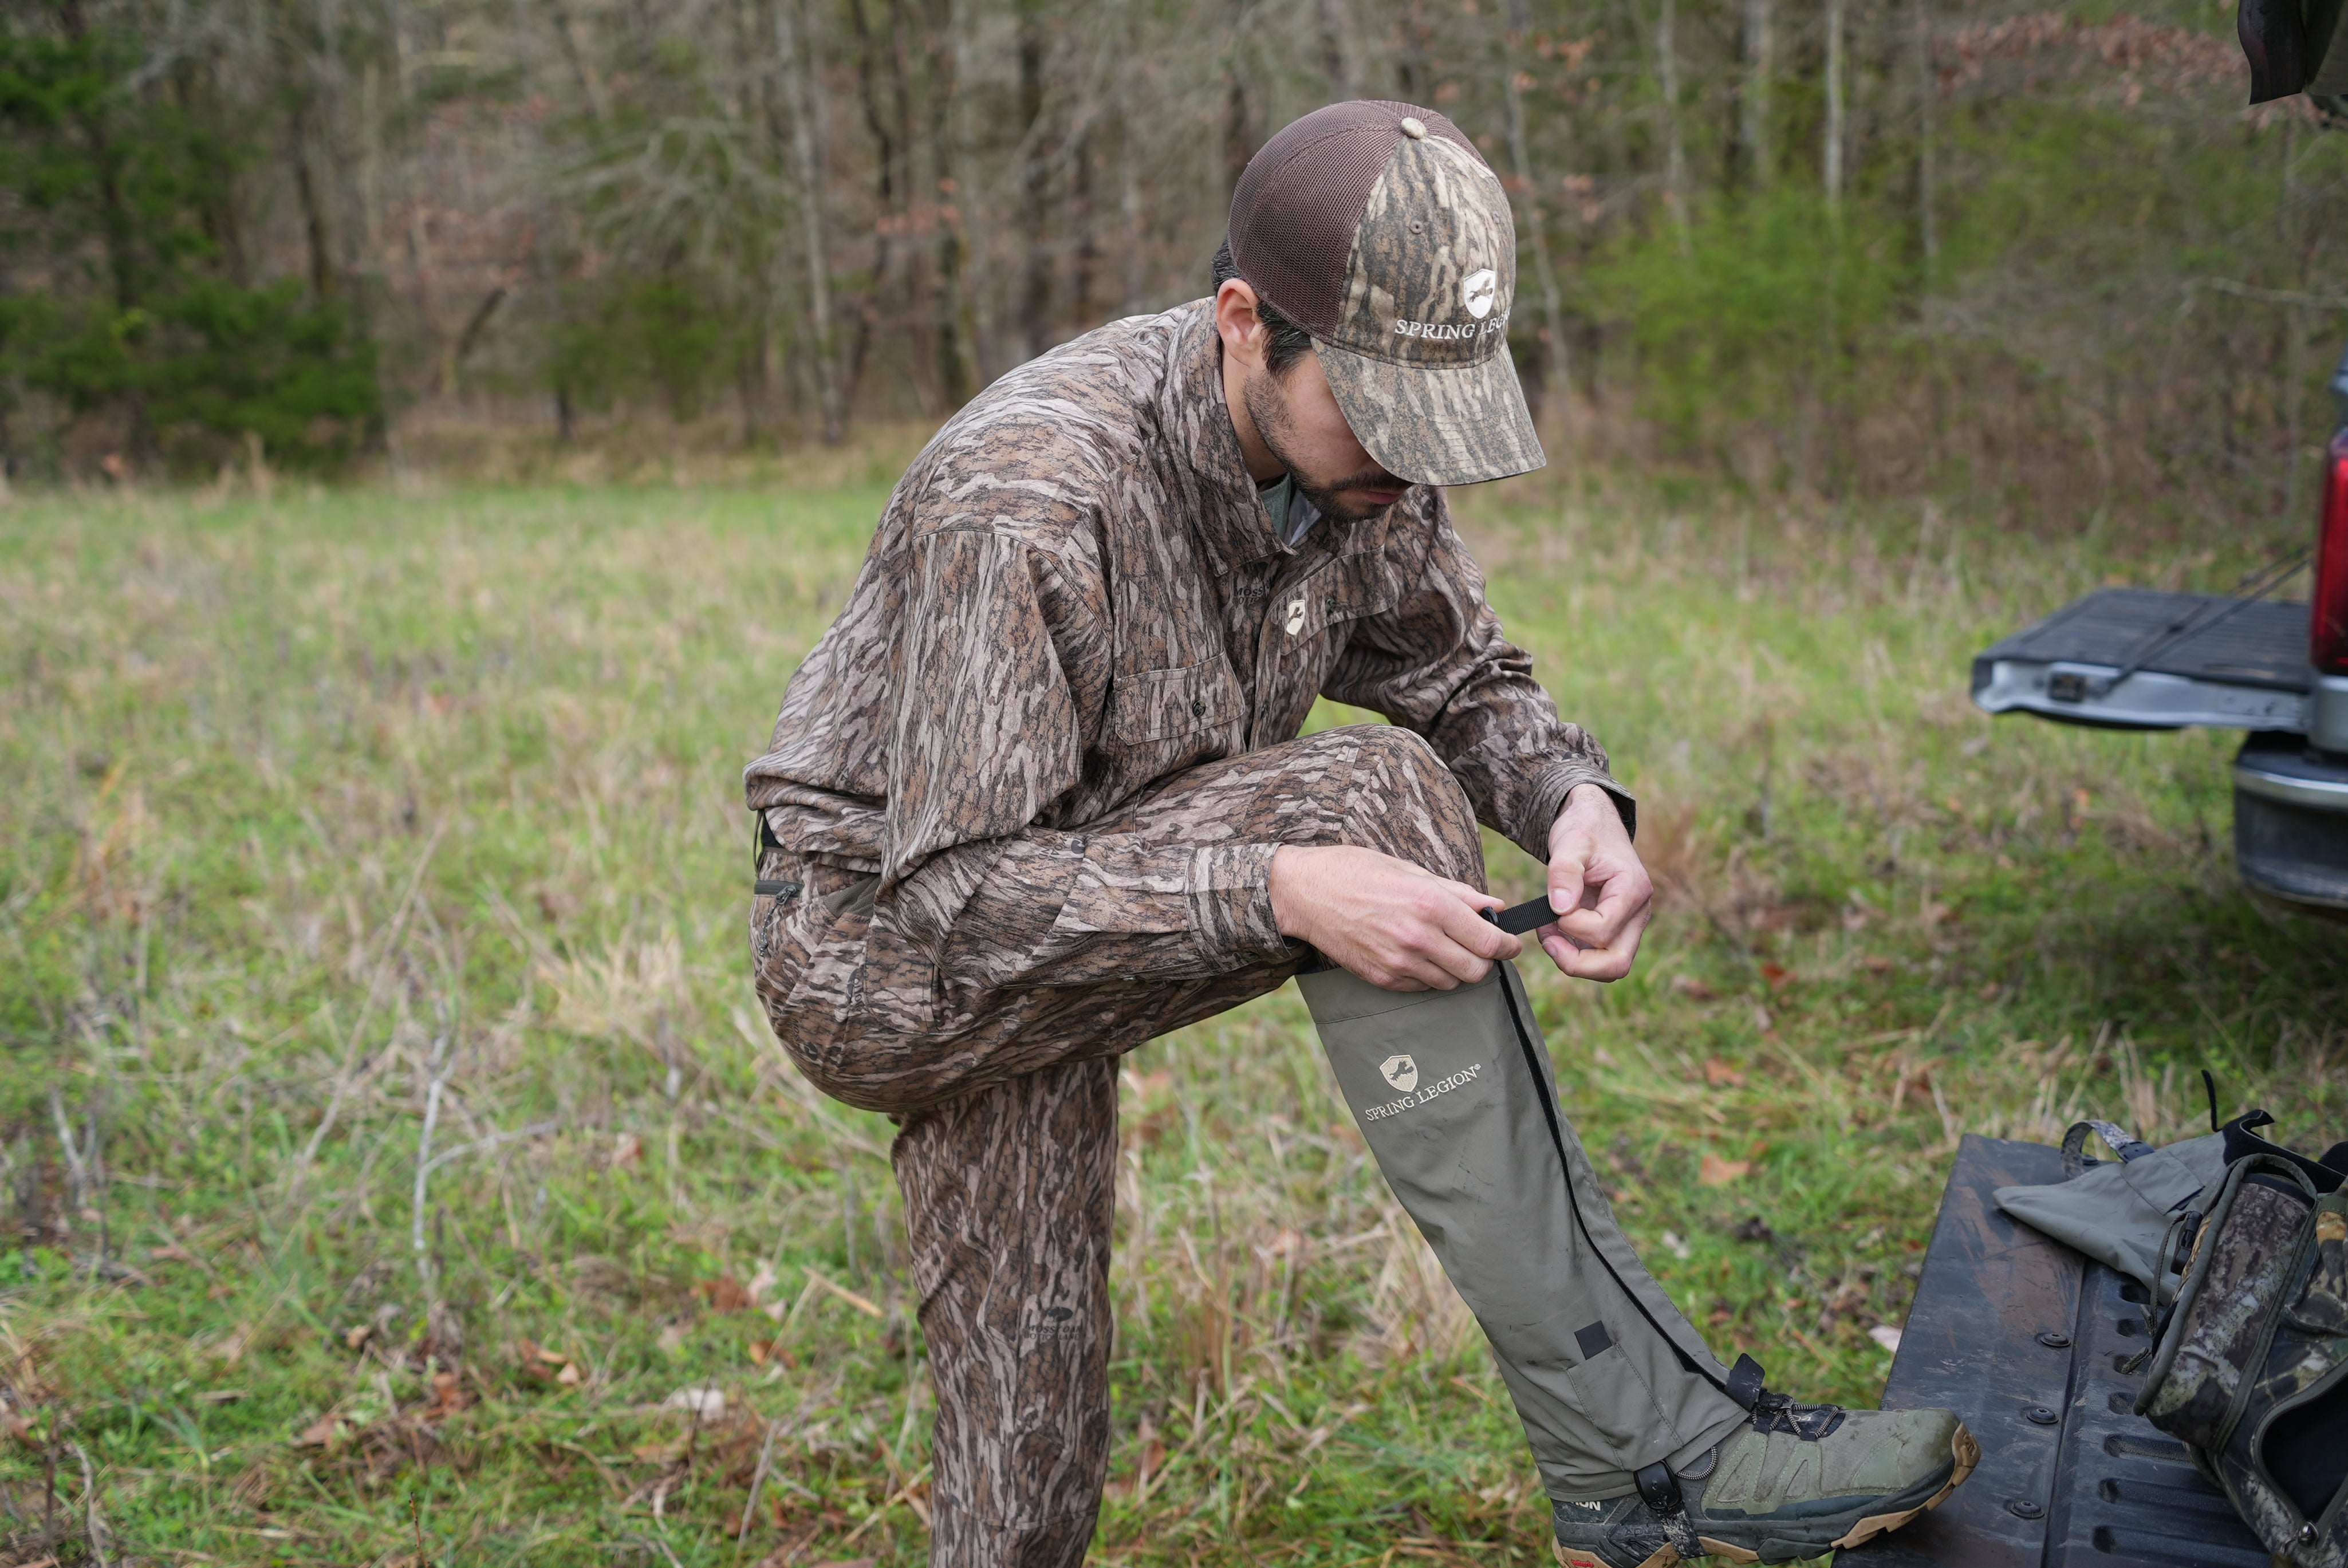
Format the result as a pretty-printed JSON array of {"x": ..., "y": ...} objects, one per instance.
[{"x": 2250, "y": 1368}]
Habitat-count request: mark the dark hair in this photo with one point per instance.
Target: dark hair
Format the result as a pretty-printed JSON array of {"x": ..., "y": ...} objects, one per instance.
[{"x": 1285, "y": 342}]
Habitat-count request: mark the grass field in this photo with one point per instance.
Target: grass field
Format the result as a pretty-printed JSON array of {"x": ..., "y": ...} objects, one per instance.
[{"x": 397, "y": 1170}]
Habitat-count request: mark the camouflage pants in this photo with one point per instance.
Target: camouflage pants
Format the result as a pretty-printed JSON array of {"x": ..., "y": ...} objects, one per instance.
[{"x": 1008, "y": 1145}]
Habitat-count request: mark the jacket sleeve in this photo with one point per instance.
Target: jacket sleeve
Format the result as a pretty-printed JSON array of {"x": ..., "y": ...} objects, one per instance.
[
  {"x": 1438, "y": 663},
  {"x": 987, "y": 734}
]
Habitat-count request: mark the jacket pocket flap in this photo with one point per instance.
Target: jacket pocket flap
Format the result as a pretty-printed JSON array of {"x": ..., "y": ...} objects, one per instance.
[{"x": 1162, "y": 704}]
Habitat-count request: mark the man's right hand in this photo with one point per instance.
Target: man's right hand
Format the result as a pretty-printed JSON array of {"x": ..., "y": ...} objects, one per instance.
[{"x": 1397, "y": 926}]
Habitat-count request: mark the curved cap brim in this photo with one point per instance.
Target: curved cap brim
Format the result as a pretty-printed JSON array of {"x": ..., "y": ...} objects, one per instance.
[{"x": 1436, "y": 424}]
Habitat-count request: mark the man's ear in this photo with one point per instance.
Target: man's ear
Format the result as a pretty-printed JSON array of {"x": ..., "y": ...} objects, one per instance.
[{"x": 1236, "y": 324}]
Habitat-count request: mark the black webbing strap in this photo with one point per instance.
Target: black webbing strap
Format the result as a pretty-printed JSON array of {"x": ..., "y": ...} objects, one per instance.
[
  {"x": 1660, "y": 1491},
  {"x": 762, "y": 839},
  {"x": 1529, "y": 915}
]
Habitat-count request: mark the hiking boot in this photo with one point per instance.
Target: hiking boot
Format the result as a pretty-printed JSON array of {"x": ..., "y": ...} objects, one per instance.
[{"x": 1798, "y": 1482}]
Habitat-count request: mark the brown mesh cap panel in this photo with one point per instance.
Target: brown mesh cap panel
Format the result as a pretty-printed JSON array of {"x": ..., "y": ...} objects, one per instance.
[{"x": 1300, "y": 198}]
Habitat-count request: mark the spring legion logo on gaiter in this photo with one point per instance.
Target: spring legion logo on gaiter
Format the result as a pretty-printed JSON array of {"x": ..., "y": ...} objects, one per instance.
[{"x": 1402, "y": 1073}]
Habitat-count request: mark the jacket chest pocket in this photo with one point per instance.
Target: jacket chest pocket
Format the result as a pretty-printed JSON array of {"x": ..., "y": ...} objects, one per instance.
[
  {"x": 1350, "y": 590},
  {"x": 1153, "y": 707}
]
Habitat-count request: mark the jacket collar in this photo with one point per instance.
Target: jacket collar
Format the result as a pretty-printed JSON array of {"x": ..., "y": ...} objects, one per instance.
[{"x": 1230, "y": 523}]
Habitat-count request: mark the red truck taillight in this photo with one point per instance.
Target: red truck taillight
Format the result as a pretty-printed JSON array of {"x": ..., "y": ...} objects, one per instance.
[{"x": 2330, "y": 642}]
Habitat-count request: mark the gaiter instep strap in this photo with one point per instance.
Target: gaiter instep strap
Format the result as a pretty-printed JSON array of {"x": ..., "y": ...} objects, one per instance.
[{"x": 1660, "y": 1491}]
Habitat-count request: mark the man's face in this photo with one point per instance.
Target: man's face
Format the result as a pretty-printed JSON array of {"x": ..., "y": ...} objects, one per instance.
[{"x": 1297, "y": 417}]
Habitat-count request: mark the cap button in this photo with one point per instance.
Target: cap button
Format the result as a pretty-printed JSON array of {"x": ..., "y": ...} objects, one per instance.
[{"x": 1415, "y": 130}]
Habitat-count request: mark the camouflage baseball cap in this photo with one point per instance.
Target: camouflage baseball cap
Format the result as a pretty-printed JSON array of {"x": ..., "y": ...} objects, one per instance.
[{"x": 1379, "y": 228}]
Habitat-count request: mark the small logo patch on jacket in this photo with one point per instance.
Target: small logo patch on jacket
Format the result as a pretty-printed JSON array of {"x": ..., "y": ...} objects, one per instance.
[{"x": 1401, "y": 1072}]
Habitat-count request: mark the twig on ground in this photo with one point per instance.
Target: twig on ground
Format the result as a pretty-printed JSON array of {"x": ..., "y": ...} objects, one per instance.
[
  {"x": 343, "y": 1079},
  {"x": 424, "y": 1269},
  {"x": 859, "y": 1302},
  {"x": 758, "y": 1480},
  {"x": 93, "y": 1523}
]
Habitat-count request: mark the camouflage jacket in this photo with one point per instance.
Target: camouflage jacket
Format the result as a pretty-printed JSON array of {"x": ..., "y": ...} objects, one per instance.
[{"x": 1075, "y": 592}]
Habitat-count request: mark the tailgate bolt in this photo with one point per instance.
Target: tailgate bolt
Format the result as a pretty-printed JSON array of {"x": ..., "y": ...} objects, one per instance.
[
  {"x": 2039, "y": 1416},
  {"x": 2054, "y": 1339},
  {"x": 2023, "y": 1508}
]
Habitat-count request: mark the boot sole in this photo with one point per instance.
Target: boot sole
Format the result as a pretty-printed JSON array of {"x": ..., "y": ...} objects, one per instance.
[{"x": 1965, "y": 1454}]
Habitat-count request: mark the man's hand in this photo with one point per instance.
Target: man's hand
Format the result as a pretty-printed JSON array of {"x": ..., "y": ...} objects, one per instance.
[
  {"x": 1397, "y": 927},
  {"x": 1594, "y": 875}
]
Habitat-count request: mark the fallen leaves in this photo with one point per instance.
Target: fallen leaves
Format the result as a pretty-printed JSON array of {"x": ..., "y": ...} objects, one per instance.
[
  {"x": 537, "y": 1361},
  {"x": 1720, "y": 1074},
  {"x": 448, "y": 1397},
  {"x": 325, "y": 1432},
  {"x": 707, "y": 1402},
  {"x": 1714, "y": 1172},
  {"x": 724, "y": 1293}
]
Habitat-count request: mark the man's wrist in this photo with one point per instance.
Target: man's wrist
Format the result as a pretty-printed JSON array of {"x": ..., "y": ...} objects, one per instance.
[{"x": 1591, "y": 799}]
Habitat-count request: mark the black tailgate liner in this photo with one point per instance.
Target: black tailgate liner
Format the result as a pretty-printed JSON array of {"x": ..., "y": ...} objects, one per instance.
[
  {"x": 2262, "y": 645},
  {"x": 2024, "y": 1338}
]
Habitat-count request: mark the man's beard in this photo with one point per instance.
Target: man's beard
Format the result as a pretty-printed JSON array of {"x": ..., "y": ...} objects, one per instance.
[{"x": 1268, "y": 410}]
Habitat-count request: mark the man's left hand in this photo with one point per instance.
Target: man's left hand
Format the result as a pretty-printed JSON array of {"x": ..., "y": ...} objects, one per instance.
[{"x": 1594, "y": 875}]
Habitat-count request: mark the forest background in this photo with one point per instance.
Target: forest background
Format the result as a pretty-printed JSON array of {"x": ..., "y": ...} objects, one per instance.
[{"x": 2044, "y": 257}]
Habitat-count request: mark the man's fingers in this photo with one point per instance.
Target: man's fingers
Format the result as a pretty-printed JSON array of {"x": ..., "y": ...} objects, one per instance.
[
  {"x": 1601, "y": 925},
  {"x": 1567, "y": 874},
  {"x": 1595, "y": 961}
]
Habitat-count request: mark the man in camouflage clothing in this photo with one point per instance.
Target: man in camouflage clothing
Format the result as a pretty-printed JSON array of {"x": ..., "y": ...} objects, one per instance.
[{"x": 1038, "y": 797}]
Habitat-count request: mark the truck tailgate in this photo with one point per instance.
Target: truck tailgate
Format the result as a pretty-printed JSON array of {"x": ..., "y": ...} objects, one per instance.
[{"x": 2137, "y": 658}]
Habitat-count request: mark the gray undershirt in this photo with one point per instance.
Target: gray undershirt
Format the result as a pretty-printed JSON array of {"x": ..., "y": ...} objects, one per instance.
[{"x": 1292, "y": 511}]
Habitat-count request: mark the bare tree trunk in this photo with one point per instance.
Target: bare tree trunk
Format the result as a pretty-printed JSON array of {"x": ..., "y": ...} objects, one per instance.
[
  {"x": 1084, "y": 270},
  {"x": 1928, "y": 86},
  {"x": 1340, "y": 60},
  {"x": 975, "y": 297},
  {"x": 1556, "y": 370},
  {"x": 313, "y": 203},
  {"x": 1238, "y": 114},
  {"x": 583, "y": 63},
  {"x": 1035, "y": 284},
  {"x": 1136, "y": 228},
  {"x": 121, "y": 260},
  {"x": 1413, "y": 73},
  {"x": 795, "y": 47},
  {"x": 956, "y": 355},
  {"x": 1667, "y": 74},
  {"x": 891, "y": 178},
  {"x": 1833, "y": 160},
  {"x": 1753, "y": 105}
]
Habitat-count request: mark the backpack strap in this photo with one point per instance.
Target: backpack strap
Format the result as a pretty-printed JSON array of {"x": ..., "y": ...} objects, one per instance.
[{"x": 2124, "y": 1143}]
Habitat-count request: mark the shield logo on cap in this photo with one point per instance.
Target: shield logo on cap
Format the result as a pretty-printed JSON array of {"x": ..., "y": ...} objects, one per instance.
[
  {"x": 1476, "y": 291},
  {"x": 1401, "y": 1072}
]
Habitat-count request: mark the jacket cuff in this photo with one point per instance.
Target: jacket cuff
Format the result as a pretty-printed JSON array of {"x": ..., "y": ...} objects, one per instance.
[
  {"x": 1549, "y": 802},
  {"x": 1229, "y": 889}
]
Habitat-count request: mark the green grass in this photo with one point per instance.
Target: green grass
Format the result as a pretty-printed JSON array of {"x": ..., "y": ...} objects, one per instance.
[{"x": 315, "y": 801}]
